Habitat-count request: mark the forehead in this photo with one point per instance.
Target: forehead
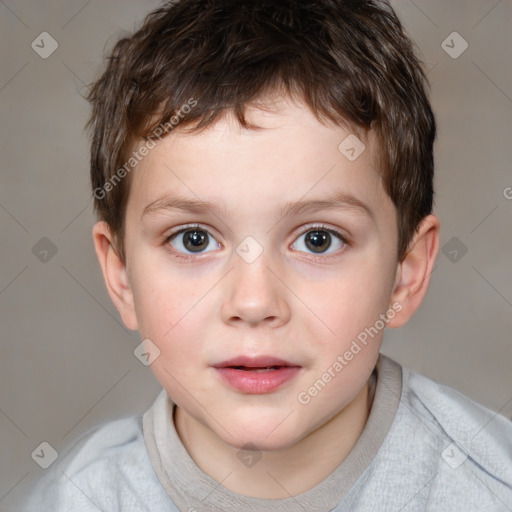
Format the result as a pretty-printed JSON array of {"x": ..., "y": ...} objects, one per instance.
[{"x": 291, "y": 156}]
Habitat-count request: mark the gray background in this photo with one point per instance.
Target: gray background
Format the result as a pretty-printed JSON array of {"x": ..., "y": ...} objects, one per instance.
[{"x": 67, "y": 361}]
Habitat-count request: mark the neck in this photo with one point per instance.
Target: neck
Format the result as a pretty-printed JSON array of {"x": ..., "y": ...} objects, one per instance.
[{"x": 283, "y": 473}]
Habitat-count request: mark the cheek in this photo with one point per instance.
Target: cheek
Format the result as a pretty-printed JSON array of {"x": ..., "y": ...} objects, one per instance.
[
  {"x": 169, "y": 309},
  {"x": 351, "y": 302},
  {"x": 344, "y": 358},
  {"x": 171, "y": 321}
]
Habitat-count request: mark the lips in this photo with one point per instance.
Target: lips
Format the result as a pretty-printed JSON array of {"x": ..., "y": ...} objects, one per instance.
[
  {"x": 256, "y": 375},
  {"x": 259, "y": 363}
]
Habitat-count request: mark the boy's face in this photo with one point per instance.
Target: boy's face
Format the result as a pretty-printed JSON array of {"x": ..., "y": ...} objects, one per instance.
[{"x": 209, "y": 297}]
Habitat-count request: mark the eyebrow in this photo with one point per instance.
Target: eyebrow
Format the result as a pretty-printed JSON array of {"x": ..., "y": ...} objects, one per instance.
[{"x": 337, "y": 200}]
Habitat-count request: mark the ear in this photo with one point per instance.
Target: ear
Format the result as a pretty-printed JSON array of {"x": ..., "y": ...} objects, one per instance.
[
  {"x": 114, "y": 273},
  {"x": 413, "y": 273}
]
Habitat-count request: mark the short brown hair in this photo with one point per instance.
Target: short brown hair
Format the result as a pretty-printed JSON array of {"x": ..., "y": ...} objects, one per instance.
[{"x": 349, "y": 61}]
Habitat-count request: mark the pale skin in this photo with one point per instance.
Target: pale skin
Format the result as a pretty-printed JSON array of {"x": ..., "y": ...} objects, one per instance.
[{"x": 302, "y": 306}]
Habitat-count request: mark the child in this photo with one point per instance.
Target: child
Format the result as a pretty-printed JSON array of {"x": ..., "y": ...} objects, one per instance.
[{"x": 230, "y": 140}]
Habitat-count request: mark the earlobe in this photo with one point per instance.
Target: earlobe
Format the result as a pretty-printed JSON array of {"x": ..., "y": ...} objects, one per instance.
[
  {"x": 413, "y": 272},
  {"x": 115, "y": 274}
]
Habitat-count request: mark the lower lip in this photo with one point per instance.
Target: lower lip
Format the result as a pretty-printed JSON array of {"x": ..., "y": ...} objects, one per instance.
[{"x": 256, "y": 383}]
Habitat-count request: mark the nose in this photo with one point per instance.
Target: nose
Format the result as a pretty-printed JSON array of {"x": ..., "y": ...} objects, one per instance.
[{"x": 254, "y": 294}]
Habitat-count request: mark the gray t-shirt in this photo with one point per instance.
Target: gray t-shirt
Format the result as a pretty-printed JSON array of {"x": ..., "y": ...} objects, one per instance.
[{"x": 425, "y": 447}]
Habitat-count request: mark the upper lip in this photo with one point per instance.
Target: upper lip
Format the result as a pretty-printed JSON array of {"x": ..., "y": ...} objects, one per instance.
[{"x": 254, "y": 362}]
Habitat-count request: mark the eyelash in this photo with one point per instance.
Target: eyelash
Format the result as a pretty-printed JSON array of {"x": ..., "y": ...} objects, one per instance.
[{"x": 313, "y": 227}]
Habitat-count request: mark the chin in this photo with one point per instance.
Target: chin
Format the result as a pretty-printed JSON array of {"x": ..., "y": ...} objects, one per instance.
[
  {"x": 261, "y": 443},
  {"x": 263, "y": 436}
]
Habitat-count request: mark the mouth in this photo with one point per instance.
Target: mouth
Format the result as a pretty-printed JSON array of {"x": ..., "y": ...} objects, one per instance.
[
  {"x": 256, "y": 369},
  {"x": 256, "y": 375},
  {"x": 248, "y": 363}
]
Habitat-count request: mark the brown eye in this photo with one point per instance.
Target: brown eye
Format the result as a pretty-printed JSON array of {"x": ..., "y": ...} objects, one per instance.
[
  {"x": 195, "y": 241},
  {"x": 192, "y": 240},
  {"x": 319, "y": 239}
]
